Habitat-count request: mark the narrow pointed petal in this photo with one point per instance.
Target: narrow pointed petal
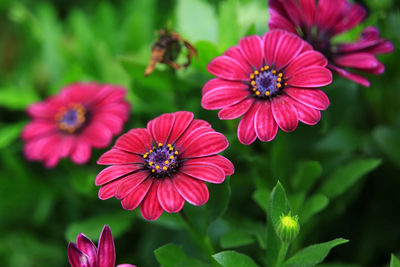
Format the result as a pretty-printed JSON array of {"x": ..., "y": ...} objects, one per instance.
[
  {"x": 126, "y": 265},
  {"x": 205, "y": 144},
  {"x": 168, "y": 197},
  {"x": 130, "y": 182},
  {"x": 114, "y": 172},
  {"x": 85, "y": 245},
  {"x": 236, "y": 110},
  {"x": 305, "y": 114},
  {"x": 117, "y": 156},
  {"x": 76, "y": 257},
  {"x": 161, "y": 127},
  {"x": 107, "y": 191},
  {"x": 227, "y": 68},
  {"x": 313, "y": 98},
  {"x": 310, "y": 77},
  {"x": 357, "y": 60},
  {"x": 106, "y": 250},
  {"x": 264, "y": 122},
  {"x": 350, "y": 75},
  {"x": 81, "y": 153},
  {"x": 252, "y": 50},
  {"x": 235, "y": 53},
  {"x": 228, "y": 95},
  {"x": 192, "y": 190},
  {"x": 271, "y": 40},
  {"x": 136, "y": 196},
  {"x": 246, "y": 132},
  {"x": 288, "y": 47},
  {"x": 218, "y": 160},
  {"x": 305, "y": 60},
  {"x": 205, "y": 172},
  {"x": 182, "y": 122},
  {"x": 97, "y": 134},
  {"x": 135, "y": 141},
  {"x": 38, "y": 128},
  {"x": 277, "y": 21},
  {"x": 308, "y": 7},
  {"x": 285, "y": 114},
  {"x": 150, "y": 207}
]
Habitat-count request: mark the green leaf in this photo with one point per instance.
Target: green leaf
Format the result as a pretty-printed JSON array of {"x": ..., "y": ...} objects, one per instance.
[
  {"x": 394, "y": 261},
  {"x": 261, "y": 196},
  {"x": 219, "y": 199},
  {"x": 388, "y": 141},
  {"x": 228, "y": 27},
  {"x": 306, "y": 175},
  {"x": 172, "y": 255},
  {"x": 236, "y": 238},
  {"x": 345, "y": 176},
  {"x": 231, "y": 258},
  {"x": 10, "y": 133},
  {"x": 10, "y": 98},
  {"x": 119, "y": 223},
  {"x": 313, "y": 205},
  {"x": 282, "y": 161},
  {"x": 314, "y": 254}
]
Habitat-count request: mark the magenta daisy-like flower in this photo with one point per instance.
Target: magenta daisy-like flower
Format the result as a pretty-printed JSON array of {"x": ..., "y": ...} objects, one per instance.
[
  {"x": 160, "y": 167},
  {"x": 319, "y": 21},
  {"x": 271, "y": 81},
  {"x": 81, "y": 116},
  {"x": 85, "y": 254}
]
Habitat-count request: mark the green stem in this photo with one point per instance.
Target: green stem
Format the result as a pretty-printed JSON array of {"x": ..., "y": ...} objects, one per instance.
[
  {"x": 203, "y": 241},
  {"x": 282, "y": 254}
]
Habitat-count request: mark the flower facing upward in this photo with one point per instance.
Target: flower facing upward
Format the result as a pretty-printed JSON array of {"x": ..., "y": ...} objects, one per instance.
[
  {"x": 271, "y": 81},
  {"x": 82, "y": 115},
  {"x": 160, "y": 167},
  {"x": 318, "y": 22},
  {"x": 86, "y": 254}
]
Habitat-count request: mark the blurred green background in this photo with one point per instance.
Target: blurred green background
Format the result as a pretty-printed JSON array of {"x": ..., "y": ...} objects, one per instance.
[{"x": 342, "y": 176}]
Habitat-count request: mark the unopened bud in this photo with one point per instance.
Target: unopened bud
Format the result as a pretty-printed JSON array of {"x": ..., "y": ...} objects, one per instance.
[{"x": 288, "y": 227}]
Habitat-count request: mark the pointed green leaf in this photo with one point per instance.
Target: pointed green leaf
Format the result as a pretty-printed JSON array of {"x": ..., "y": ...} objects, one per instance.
[
  {"x": 231, "y": 258},
  {"x": 219, "y": 199},
  {"x": 306, "y": 175},
  {"x": 261, "y": 196},
  {"x": 278, "y": 203},
  {"x": 394, "y": 261},
  {"x": 313, "y": 205},
  {"x": 172, "y": 255},
  {"x": 236, "y": 238},
  {"x": 314, "y": 254},
  {"x": 10, "y": 133},
  {"x": 388, "y": 141},
  {"x": 228, "y": 27}
]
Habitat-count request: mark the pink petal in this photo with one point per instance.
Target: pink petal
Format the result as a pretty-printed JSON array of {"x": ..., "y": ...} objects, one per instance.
[
  {"x": 357, "y": 60},
  {"x": 126, "y": 265},
  {"x": 81, "y": 153},
  {"x": 350, "y": 75},
  {"x": 114, "y": 172},
  {"x": 186, "y": 138},
  {"x": 85, "y": 245},
  {"x": 252, "y": 50},
  {"x": 271, "y": 40},
  {"x": 228, "y": 94},
  {"x": 235, "y": 53},
  {"x": 106, "y": 249},
  {"x": 218, "y": 160},
  {"x": 305, "y": 60},
  {"x": 97, "y": 134},
  {"x": 378, "y": 70},
  {"x": 284, "y": 113},
  {"x": 264, "y": 122},
  {"x": 220, "y": 84},
  {"x": 192, "y": 190},
  {"x": 135, "y": 141},
  {"x": 205, "y": 172},
  {"x": 150, "y": 207},
  {"x": 313, "y": 98},
  {"x": 66, "y": 145},
  {"x": 169, "y": 198},
  {"x": 130, "y": 182},
  {"x": 308, "y": 7},
  {"x": 161, "y": 127},
  {"x": 205, "y": 144},
  {"x": 37, "y": 128},
  {"x": 277, "y": 21},
  {"x": 356, "y": 12},
  {"x": 182, "y": 122},
  {"x": 305, "y": 113},
  {"x": 236, "y": 110},
  {"x": 288, "y": 47},
  {"x": 310, "y": 77},
  {"x": 76, "y": 257},
  {"x": 135, "y": 197},
  {"x": 246, "y": 131},
  {"x": 113, "y": 122},
  {"x": 107, "y": 191},
  {"x": 228, "y": 68},
  {"x": 117, "y": 156}
]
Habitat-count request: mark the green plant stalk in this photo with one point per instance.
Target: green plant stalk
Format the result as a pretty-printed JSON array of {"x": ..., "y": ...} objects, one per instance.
[
  {"x": 282, "y": 254},
  {"x": 202, "y": 241}
]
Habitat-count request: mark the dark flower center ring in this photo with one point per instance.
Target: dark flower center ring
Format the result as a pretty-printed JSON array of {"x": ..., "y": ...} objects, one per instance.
[
  {"x": 72, "y": 118},
  {"x": 266, "y": 82},
  {"x": 162, "y": 160}
]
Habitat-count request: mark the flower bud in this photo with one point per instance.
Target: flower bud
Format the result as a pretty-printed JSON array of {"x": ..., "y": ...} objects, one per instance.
[{"x": 288, "y": 227}]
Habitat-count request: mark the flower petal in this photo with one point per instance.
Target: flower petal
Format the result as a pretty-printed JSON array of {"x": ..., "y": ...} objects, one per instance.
[
  {"x": 106, "y": 248},
  {"x": 169, "y": 198},
  {"x": 150, "y": 207},
  {"x": 227, "y": 94},
  {"x": 114, "y": 172},
  {"x": 37, "y": 128},
  {"x": 313, "y": 98},
  {"x": 135, "y": 197},
  {"x": 284, "y": 113},
  {"x": 135, "y": 141},
  {"x": 76, "y": 257},
  {"x": 252, "y": 50},
  {"x": 161, "y": 127},
  {"x": 310, "y": 77},
  {"x": 288, "y": 47},
  {"x": 81, "y": 153},
  {"x": 85, "y": 245},
  {"x": 235, "y": 53},
  {"x": 205, "y": 172},
  {"x": 130, "y": 182},
  {"x": 357, "y": 60},
  {"x": 236, "y": 110},
  {"x": 192, "y": 190},
  {"x": 305, "y": 113},
  {"x": 246, "y": 132},
  {"x": 227, "y": 68},
  {"x": 308, "y": 7},
  {"x": 264, "y": 122},
  {"x": 97, "y": 134},
  {"x": 118, "y": 156},
  {"x": 271, "y": 40},
  {"x": 218, "y": 160},
  {"x": 305, "y": 60},
  {"x": 206, "y": 144},
  {"x": 107, "y": 190},
  {"x": 350, "y": 75},
  {"x": 182, "y": 122}
]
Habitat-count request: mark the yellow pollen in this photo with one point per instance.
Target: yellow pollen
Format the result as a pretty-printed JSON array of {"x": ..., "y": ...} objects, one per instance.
[
  {"x": 171, "y": 157},
  {"x": 151, "y": 163},
  {"x": 278, "y": 85},
  {"x": 279, "y": 79},
  {"x": 176, "y": 152},
  {"x": 285, "y": 84},
  {"x": 145, "y": 156},
  {"x": 168, "y": 145},
  {"x": 267, "y": 93},
  {"x": 266, "y": 67},
  {"x": 256, "y": 72},
  {"x": 252, "y": 76},
  {"x": 164, "y": 168},
  {"x": 258, "y": 93},
  {"x": 254, "y": 89},
  {"x": 171, "y": 148},
  {"x": 151, "y": 151},
  {"x": 166, "y": 162},
  {"x": 273, "y": 71},
  {"x": 153, "y": 170},
  {"x": 280, "y": 74},
  {"x": 253, "y": 83},
  {"x": 160, "y": 144},
  {"x": 262, "y": 69},
  {"x": 157, "y": 167}
]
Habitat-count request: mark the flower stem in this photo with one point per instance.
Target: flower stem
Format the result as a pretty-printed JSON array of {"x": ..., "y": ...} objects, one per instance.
[
  {"x": 282, "y": 254},
  {"x": 202, "y": 241}
]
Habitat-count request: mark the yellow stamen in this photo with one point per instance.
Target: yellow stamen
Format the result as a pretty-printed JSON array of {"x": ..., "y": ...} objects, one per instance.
[
  {"x": 171, "y": 148},
  {"x": 256, "y": 72},
  {"x": 278, "y": 85},
  {"x": 151, "y": 151},
  {"x": 157, "y": 167},
  {"x": 252, "y": 76},
  {"x": 171, "y": 157},
  {"x": 267, "y": 93},
  {"x": 262, "y": 69},
  {"x": 254, "y": 89},
  {"x": 266, "y": 67},
  {"x": 258, "y": 93},
  {"x": 166, "y": 162},
  {"x": 176, "y": 152},
  {"x": 279, "y": 79},
  {"x": 151, "y": 163},
  {"x": 145, "y": 156},
  {"x": 160, "y": 144},
  {"x": 280, "y": 74},
  {"x": 273, "y": 71},
  {"x": 253, "y": 83},
  {"x": 153, "y": 170},
  {"x": 168, "y": 145},
  {"x": 285, "y": 84},
  {"x": 164, "y": 168}
]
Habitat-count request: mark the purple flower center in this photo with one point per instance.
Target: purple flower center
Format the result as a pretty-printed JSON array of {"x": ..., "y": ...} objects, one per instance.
[
  {"x": 162, "y": 160},
  {"x": 72, "y": 118},
  {"x": 266, "y": 82}
]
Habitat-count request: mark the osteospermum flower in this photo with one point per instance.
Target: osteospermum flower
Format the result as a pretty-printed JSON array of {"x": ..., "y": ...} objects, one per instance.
[
  {"x": 85, "y": 254},
  {"x": 271, "y": 81},
  {"x": 81, "y": 116},
  {"x": 160, "y": 167},
  {"x": 319, "y": 21}
]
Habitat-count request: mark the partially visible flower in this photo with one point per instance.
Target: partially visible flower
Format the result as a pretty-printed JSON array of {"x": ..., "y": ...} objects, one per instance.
[
  {"x": 272, "y": 81},
  {"x": 319, "y": 21},
  {"x": 85, "y": 254},
  {"x": 160, "y": 167},
  {"x": 81, "y": 116},
  {"x": 288, "y": 227}
]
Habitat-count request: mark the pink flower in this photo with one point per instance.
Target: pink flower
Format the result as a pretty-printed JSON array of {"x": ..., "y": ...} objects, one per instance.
[
  {"x": 271, "y": 81},
  {"x": 319, "y": 22},
  {"x": 85, "y": 253},
  {"x": 160, "y": 167},
  {"x": 81, "y": 116}
]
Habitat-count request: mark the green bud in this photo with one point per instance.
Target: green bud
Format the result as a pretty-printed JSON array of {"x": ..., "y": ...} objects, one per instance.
[{"x": 288, "y": 227}]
